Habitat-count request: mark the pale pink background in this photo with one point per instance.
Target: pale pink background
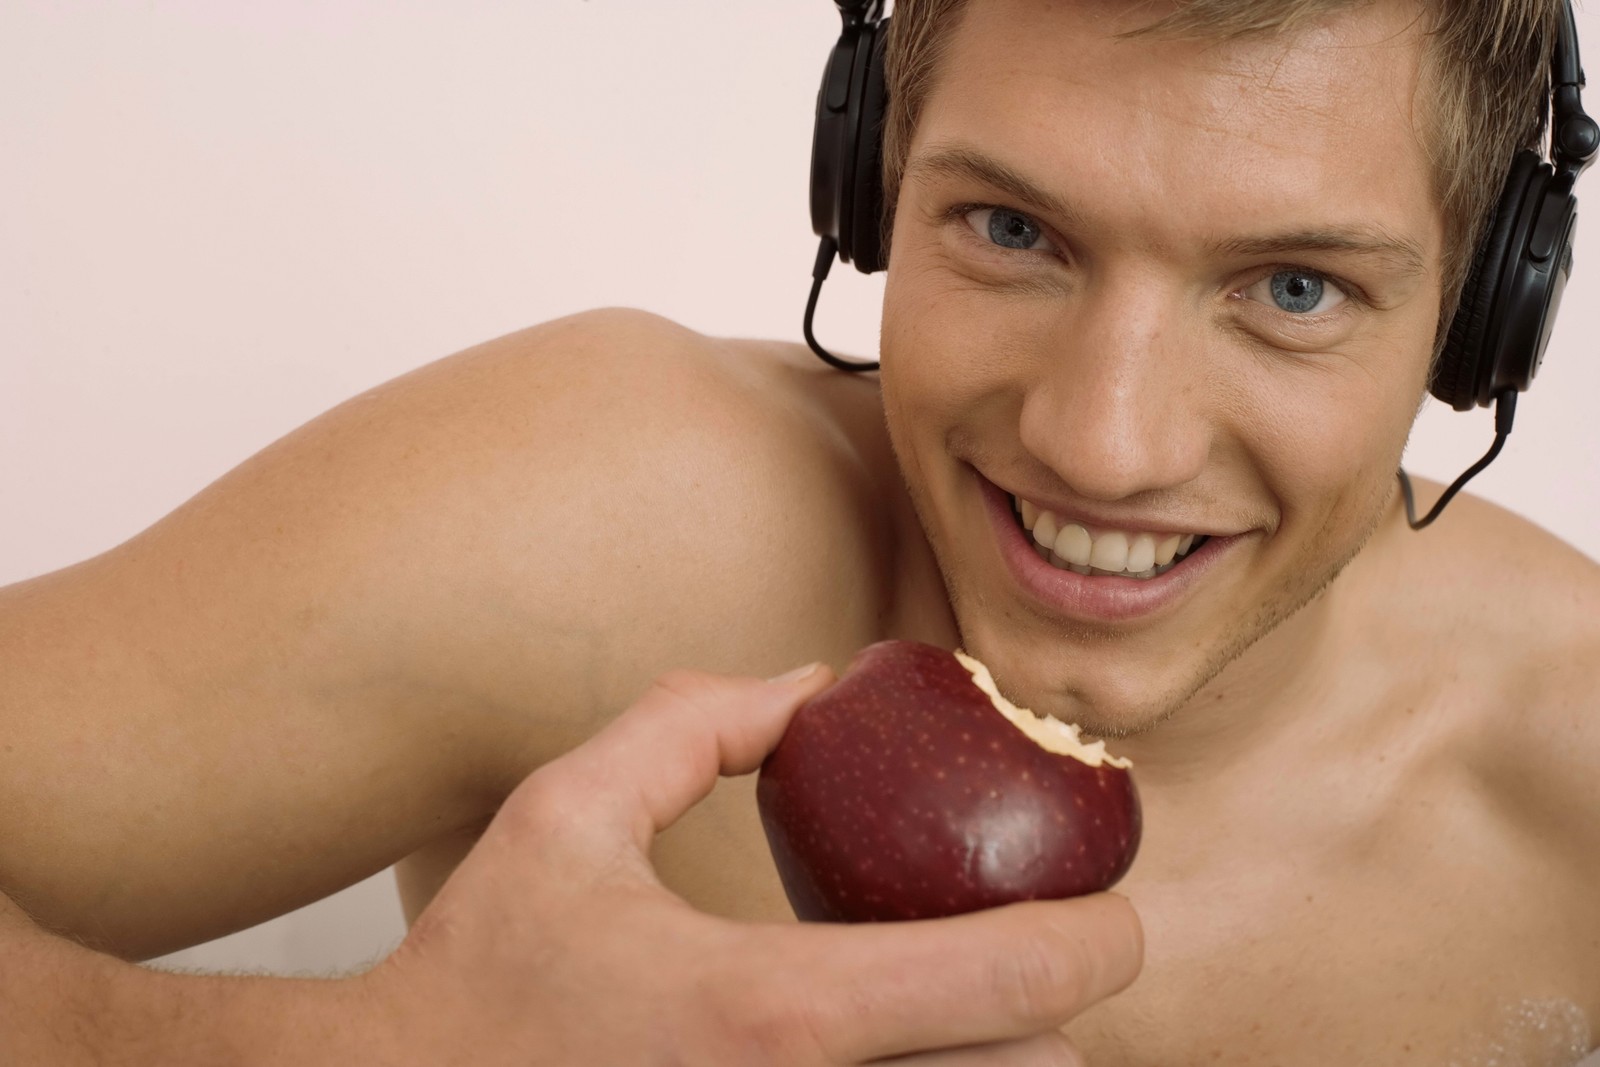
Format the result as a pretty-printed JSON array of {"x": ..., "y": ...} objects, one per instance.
[{"x": 219, "y": 219}]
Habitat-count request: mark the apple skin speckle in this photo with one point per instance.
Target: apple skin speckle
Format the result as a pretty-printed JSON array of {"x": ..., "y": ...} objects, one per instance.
[{"x": 901, "y": 792}]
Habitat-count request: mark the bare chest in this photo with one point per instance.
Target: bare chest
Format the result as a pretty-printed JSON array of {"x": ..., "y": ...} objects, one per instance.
[
  {"x": 1433, "y": 944},
  {"x": 1404, "y": 965}
]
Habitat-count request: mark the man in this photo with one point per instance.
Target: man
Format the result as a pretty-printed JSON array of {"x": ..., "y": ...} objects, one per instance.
[{"x": 1143, "y": 287}]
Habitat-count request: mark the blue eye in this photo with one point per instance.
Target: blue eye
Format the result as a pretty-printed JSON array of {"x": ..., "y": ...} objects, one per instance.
[
  {"x": 1299, "y": 292},
  {"x": 1008, "y": 229},
  {"x": 1012, "y": 229},
  {"x": 1295, "y": 291}
]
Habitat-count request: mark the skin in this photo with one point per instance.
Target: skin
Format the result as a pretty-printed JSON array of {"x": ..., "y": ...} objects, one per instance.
[
  {"x": 1366, "y": 755},
  {"x": 1132, "y": 373}
]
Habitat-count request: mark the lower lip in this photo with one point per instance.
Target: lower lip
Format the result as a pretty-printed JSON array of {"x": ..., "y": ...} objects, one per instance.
[{"x": 1089, "y": 597}]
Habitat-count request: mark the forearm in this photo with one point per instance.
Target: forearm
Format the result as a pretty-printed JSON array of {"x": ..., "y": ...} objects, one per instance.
[
  {"x": 164, "y": 783},
  {"x": 65, "y": 1005}
]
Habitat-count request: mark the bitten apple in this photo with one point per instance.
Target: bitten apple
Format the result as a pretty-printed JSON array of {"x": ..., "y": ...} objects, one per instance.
[{"x": 911, "y": 788}]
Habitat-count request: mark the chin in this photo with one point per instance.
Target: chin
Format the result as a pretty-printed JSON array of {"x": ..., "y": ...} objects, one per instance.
[
  {"x": 1105, "y": 687},
  {"x": 1113, "y": 719},
  {"x": 1123, "y": 687},
  {"x": 1127, "y": 685}
]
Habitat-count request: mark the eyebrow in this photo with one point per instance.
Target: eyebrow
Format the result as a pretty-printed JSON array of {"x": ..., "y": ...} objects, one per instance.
[
  {"x": 966, "y": 164},
  {"x": 1399, "y": 255}
]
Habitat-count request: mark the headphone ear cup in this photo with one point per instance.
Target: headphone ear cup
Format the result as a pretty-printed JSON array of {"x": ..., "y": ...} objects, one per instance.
[
  {"x": 847, "y": 148},
  {"x": 867, "y": 221},
  {"x": 1464, "y": 363},
  {"x": 831, "y": 143}
]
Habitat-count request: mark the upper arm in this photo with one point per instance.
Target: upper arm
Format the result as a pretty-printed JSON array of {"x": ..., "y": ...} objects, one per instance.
[{"x": 359, "y": 639}]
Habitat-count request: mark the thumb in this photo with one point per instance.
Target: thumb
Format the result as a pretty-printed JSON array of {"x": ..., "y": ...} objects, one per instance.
[{"x": 663, "y": 755}]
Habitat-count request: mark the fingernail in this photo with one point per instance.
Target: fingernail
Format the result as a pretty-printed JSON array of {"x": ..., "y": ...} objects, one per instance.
[{"x": 796, "y": 675}]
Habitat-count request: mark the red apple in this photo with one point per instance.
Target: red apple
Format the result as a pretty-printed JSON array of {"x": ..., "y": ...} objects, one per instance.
[{"x": 912, "y": 789}]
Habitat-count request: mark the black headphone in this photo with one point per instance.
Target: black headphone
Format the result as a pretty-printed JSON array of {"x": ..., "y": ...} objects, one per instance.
[{"x": 1508, "y": 304}]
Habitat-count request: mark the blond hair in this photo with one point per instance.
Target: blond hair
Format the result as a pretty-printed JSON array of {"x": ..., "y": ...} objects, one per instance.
[{"x": 1486, "y": 85}]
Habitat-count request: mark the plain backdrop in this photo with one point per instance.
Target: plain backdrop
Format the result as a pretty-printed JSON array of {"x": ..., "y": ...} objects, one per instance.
[{"x": 219, "y": 219}]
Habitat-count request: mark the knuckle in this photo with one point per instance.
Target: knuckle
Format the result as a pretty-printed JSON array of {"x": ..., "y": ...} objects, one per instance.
[
  {"x": 532, "y": 798},
  {"x": 522, "y": 807},
  {"x": 1041, "y": 983},
  {"x": 685, "y": 683},
  {"x": 760, "y": 1022},
  {"x": 538, "y": 808},
  {"x": 701, "y": 690},
  {"x": 1055, "y": 1050},
  {"x": 685, "y": 692}
]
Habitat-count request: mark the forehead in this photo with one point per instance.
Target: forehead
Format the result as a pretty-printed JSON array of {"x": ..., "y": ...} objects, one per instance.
[{"x": 1167, "y": 136}]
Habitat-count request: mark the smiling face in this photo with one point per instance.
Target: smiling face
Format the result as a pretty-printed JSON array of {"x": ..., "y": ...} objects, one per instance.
[{"x": 1156, "y": 287}]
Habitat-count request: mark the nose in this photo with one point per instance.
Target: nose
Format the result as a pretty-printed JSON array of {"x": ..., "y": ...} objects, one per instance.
[{"x": 1118, "y": 403}]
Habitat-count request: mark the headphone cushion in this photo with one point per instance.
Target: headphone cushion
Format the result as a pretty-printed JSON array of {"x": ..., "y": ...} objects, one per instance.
[
  {"x": 868, "y": 222},
  {"x": 1459, "y": 369}
]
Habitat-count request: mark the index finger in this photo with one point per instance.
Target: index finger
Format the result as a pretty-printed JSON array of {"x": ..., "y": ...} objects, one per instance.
[
  {"x": 886, "y": 989},
  {"x": 663, "y": 754}
]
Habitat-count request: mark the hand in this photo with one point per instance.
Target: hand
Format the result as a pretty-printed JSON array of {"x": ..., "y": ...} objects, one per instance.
[{"x": 555, "y": 943}]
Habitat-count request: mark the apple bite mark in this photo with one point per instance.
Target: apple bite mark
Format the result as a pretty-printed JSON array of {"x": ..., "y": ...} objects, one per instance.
[
  {"x": 1047, "y": 732},
  {"x": 907, "y": 790}
]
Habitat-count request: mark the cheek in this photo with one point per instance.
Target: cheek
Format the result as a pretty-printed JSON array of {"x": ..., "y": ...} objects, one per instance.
[
  {"x": 948, "y": 346},
  {"x": 927, "y": 372},
  {"x": 1327, "y": 447}
]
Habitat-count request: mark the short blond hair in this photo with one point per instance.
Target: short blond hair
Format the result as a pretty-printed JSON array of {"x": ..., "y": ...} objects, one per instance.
[{"x": 1487, "y": 66}]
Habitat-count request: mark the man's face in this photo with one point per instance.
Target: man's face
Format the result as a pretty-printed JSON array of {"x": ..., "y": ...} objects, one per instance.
[{"x": 1160, "y": 287}]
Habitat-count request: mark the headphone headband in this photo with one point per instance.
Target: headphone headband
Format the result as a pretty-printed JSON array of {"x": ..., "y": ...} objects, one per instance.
[
  {"x": 856, "y": 12},
  {"x": 1565, "y": 66},
  {"x": 1574, "y": 136}
]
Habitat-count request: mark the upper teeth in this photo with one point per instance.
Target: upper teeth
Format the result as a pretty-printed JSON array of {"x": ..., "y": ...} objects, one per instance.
[{"x": 1085, "y": 548}]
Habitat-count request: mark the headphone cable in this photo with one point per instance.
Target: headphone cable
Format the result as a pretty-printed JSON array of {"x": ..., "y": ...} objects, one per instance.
[
  {"x": 1505, "y": 407},
  {"x": 819, "y": 271}
]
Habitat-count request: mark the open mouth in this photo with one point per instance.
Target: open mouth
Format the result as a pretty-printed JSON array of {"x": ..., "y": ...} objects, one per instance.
[{"x": 1107, "y": 553}]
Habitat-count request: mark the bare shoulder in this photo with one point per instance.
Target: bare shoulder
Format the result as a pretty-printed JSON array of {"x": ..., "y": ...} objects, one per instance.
[
  {"x": 1521, "y": 608},
  {"x": 1536, "y": 591},
  {"x": 718, "y": 493},
  {"x": 722, "y": 495},
  {"x": 1512, "y": 580}
]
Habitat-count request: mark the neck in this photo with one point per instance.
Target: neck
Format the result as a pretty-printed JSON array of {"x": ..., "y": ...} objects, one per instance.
[{"x": 1279, "y": 692}]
